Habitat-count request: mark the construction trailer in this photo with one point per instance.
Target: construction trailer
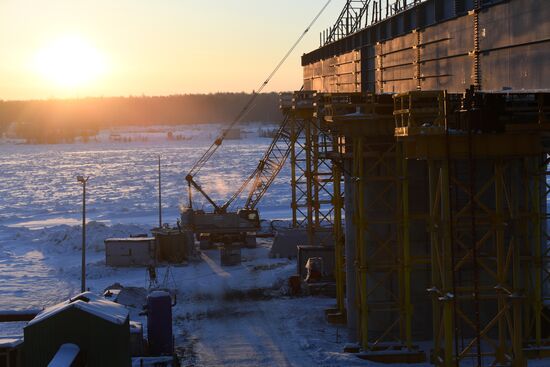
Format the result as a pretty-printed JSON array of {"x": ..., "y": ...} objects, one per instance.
[
  {"x": 438, "y": 116},
  {"x": 127, "y": 252},
  {"x": 172, "y": 246}
]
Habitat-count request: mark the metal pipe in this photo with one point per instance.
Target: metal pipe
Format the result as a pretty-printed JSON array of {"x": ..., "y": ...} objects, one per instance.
[
  {"x": 294, "y": 139},
  {"x": 83, "y": 285}
]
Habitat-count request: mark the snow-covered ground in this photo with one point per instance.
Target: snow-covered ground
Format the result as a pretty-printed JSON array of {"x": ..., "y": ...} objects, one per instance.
[
  {"x": 38, "y": 182},
  {"x": 236, "y": 316},
  {"x": 231, "y": 316}
]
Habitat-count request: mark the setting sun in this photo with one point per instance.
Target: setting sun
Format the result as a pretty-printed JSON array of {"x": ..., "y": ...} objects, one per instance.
[{"x": 70, "y": 62}]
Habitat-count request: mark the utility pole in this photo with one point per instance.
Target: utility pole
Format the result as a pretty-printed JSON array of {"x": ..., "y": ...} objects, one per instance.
[
  {"x": 83, "y": 181},
  {"x": 160, "y": 197}
]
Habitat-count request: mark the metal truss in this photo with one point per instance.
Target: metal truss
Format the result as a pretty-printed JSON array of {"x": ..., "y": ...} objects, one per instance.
[
  {"x": 312, "y": 179},
  {"x": 271, "y": 164},
  {"x": 359, "y": 14},
  {"x": 351, "y": 19},
  {"x": 268, "y": 168},
  {"x": 300, "y": 163}
]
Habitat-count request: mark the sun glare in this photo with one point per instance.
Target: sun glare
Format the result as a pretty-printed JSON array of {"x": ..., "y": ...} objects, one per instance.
[{"x": 70, "y": 62}]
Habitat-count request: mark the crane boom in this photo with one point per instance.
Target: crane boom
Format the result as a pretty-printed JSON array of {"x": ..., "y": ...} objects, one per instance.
[
  {"x": 268, "y": 168},
  {"x": 195, "y": 169},
  {"x": 272, "y": 163}
]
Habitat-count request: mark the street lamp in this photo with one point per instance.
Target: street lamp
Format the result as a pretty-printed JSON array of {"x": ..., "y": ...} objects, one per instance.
[
  {"x": 83, "y": 180},
  {"x": 160, "y": 196}
]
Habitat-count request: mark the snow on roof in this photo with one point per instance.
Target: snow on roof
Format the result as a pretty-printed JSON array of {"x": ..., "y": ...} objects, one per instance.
[
  {"x": 90, "y": 303},
  {"x": 130, "y": 239},
  {"x": 65, "y": 356},
  {"x": 158, "y": 294},
  {"x": 10, "y": 342}
]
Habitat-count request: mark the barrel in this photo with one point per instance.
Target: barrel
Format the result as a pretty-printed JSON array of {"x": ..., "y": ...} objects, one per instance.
[{"x": 159, "y": 323}]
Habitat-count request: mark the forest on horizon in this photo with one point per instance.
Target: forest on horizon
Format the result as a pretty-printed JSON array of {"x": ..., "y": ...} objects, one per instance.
[{"x": 65, "y": 119}]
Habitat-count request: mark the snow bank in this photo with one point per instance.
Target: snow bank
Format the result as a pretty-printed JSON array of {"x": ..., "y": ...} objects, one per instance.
[{"x": 64, "y": 238}]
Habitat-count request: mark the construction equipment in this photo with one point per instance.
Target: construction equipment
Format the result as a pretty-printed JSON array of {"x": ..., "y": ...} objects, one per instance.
[{"x": 226, "y": 226}]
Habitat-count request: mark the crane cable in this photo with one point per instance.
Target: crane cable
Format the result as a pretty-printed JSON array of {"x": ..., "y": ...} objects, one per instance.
[{"x": 206, "y": 157}]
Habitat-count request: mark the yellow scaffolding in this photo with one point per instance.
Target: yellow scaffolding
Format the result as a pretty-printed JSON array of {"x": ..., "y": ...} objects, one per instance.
[
  {"x": 311, "y": 170},
  {"x": 338, "y": 149},
  {"x": 485, "y": 224},
  {"x": 316, "y": 184},
  {"x": 382, "y": 223}
]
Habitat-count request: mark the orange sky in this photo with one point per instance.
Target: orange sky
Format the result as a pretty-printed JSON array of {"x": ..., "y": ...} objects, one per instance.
[{"x": 135, "y": 47}]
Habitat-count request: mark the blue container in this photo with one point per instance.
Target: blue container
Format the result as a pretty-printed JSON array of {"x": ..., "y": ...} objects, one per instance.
[{"x": 159, "y": 323}]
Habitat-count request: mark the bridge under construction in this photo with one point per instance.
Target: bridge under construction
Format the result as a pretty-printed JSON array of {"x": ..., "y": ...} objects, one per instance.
[{"x": 420, "y": 141}]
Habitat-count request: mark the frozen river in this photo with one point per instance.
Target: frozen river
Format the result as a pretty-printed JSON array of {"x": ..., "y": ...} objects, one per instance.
[
  {"x": 38, "y": 182},
  {"x": 40, "y": 199}
]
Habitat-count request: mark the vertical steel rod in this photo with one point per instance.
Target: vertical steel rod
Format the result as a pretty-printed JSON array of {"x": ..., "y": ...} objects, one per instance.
[
  {"x": 83, "y": 279},
  {"x": 160, "y": 196}
]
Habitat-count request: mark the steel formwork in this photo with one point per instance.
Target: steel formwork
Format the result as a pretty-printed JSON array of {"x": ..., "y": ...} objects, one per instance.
[
  {"x": 384, "y": 260},
  {"x": 381, "y": 252},
  {"x": 476, "y": 260},
  {"x": 485, "y": 215},
  {"x": 486, "y": 222}
]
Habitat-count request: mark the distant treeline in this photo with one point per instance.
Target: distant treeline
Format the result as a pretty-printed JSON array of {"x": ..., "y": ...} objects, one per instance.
[{"x": 63, "y": 120}]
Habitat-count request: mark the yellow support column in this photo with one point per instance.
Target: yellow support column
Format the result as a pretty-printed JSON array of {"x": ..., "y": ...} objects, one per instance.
[
  {"x": 537, "y": 244},
  {"x": 405, "y": 243},
  {"x": 500, "y": 257},
  {"x": 447, "y": 296},
  {"x": 294, "y": 132},
  {"x": 434, "y": 205},
  {"x": 309, "y": 173},
  {"x": 339, "y": 245},
  {"x": 517, "y": 296},
  {"x": 360, "y": 241}
]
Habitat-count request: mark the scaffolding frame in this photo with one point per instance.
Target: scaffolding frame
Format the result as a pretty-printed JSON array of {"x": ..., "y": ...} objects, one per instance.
[
  {"x": 312, "y": 170},
  {"x": 487, "y": 216},
  {"x": 383, "y": 259},
  {"x": 317, "y": 184},
  {"x": 458, "y": 331}
]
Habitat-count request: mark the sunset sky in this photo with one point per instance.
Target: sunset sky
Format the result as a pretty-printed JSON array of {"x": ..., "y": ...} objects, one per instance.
[{"x": 77, "y": 48}]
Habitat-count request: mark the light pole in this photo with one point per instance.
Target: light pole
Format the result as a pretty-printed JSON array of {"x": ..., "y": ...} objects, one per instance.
[
  {"x": 83, "y": 180},
  {"x": 160, "y": 197}
]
